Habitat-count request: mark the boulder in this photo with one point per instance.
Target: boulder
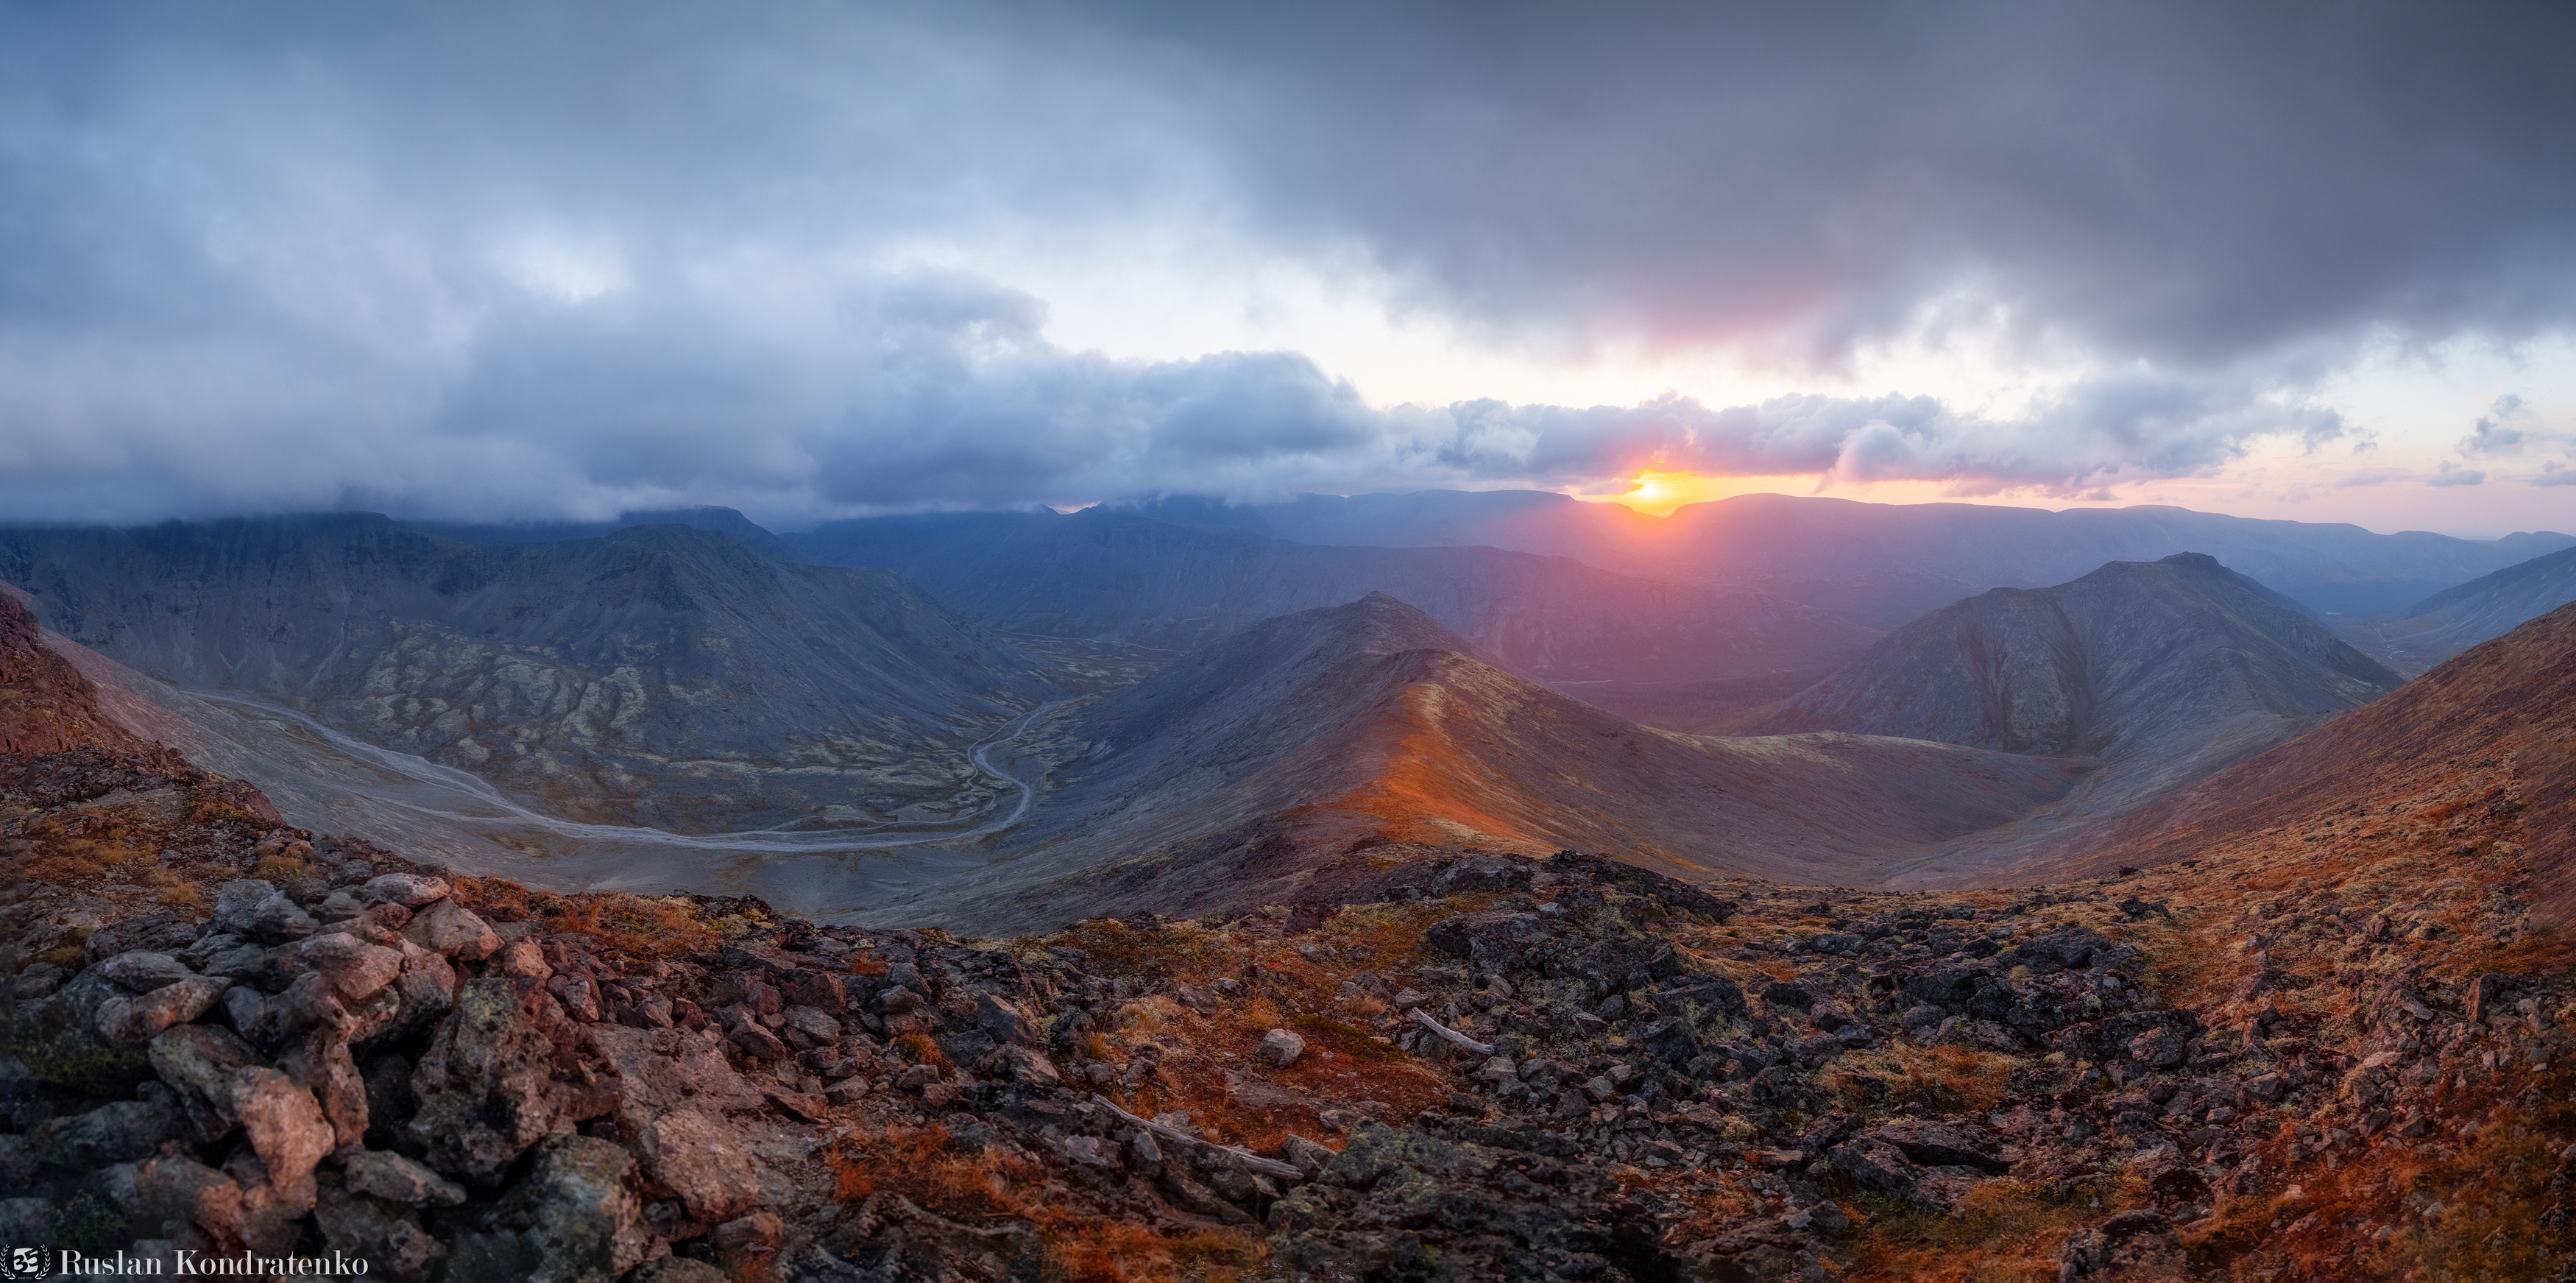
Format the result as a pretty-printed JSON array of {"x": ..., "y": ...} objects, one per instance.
[
  {"x": 676, "y": 1269},
  {"x": 356, "y": 968},
  {"x": 1003, "y": 1019},
  {"x": 114, "y": 1133},
  {"x": 410, "y": 890},
  {"x": 695, "y": 1158},
  {"x": 173, "y": 1188},
  {"x": 199, "y": 1062},
  {"x": 1280, "y": 1047},
  {"x": 485, "y": 1083},
  {"x": 138, "y": 1019},
  {"x": 143, "y": 970},
  {"x": 2132, "y": 1245},
  {"x": 449, "y": 928},
  {"x": 286, "y": 1126},
  {"x": 322, "y": 1065}
]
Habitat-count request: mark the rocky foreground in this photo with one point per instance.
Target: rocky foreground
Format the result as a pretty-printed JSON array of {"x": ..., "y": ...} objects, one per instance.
[{"x": 226, "y": 1036}]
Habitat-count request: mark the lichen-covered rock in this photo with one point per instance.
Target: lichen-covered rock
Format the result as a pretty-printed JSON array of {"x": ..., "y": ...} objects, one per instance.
[
  {"x": 140, "y": 1018},
  {"x": 171, "y": 1188},
  {"x": 58, "y": 1040},
  {"x": 484, "y": 1084},
  {"x": 198, "y": 1062},
  {"x": 2134, "y": 1246},
  {"x": 396, "y": 1179},
  {"x": 695, "y": 1157},
  {"x": 387, "y": 1236},
  {"x": 587, "y": 1225}
]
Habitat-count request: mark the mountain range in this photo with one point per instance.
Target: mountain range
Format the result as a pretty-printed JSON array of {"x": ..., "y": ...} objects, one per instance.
[
  {"x": 660, "y": 675},
  {"x": 1120, "y": 576},
  {"x": 1884, "y": 564}
]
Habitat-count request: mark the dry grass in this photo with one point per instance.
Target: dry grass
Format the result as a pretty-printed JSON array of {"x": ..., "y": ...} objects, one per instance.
[
  {"x": 2009, "y": 1232},
  {"x": 635, "y": 926},
  {"x": 1076, "y": 1245},
  {"x": 1945, "y": 1079}
]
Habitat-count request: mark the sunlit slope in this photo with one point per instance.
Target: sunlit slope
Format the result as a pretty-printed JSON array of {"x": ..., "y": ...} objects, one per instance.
[
  {"x": 2498, "y": 720},
  {"x": 1234, "y": 773}
]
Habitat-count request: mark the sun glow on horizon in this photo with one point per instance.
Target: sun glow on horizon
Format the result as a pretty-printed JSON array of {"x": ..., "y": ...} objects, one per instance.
[{"x": 1657, "y": 493}]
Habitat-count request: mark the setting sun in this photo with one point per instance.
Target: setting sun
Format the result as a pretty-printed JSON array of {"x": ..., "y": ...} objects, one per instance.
[{"x": 1657, "y": 493}]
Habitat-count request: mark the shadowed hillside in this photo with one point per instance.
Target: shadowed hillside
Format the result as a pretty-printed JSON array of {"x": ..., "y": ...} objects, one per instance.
[
  {"x": 661, "y": 675},
  {"x": 2446, "y": 623}
]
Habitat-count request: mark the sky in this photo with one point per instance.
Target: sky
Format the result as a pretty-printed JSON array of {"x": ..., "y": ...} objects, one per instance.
[{"x": 487, "y": 261}]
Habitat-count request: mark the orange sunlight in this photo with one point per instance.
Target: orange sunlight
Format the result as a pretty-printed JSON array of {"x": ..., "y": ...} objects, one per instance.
[{"x": 1657, "y": 493}]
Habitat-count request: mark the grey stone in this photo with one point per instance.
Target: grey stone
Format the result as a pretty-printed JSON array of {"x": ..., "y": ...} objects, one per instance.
[
  {"x": 114, "y": 1133},
  {"x": 410, "y": 890},
  {"x": 356, "y": 968},
  {"x": 199, "y": 1062},
  {"x": 1004, "y": 1020},
  {"x": 143, "y": 970},
  {"x": 814, "y": 1023},
  {"x": 397, "y": 1179},
  {"x": 1280, "y": 1047},
  {"x": 140, "y": 1018}
]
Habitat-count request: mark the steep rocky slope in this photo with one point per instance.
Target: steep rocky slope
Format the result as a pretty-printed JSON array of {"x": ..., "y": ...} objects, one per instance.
[
  {"x": 661, "y": 675},
  {"x": 1121, "y": 576},
  {"x": 1233, "y": 773},
  {"x": 45, "y": 705},
  {"x": 2491, "y": 732},
  {"x": 1884, "y": 564},
  {"x": 2446, "y": 623},
  {"x": 219, "y": 1036}
]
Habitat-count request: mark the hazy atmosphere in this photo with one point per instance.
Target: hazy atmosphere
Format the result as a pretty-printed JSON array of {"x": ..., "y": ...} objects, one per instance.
[
  {"x": 815, "y": 260},
  {"x": 808, "y": 641}
]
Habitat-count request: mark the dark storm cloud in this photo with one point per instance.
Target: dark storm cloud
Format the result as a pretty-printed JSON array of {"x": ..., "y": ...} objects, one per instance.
[
  {"x": 2184, "y": 182},
  {"x": 523, "y": 260}
]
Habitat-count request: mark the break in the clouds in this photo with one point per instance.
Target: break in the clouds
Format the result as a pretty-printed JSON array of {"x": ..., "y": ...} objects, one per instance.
[{"x": 527, "y": 260}]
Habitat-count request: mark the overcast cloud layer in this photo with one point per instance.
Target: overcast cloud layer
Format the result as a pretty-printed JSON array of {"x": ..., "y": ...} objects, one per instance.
[{"x": 558, "y": 260}]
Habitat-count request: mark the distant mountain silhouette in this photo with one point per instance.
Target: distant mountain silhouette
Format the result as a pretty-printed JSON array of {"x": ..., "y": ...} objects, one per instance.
[
  {"x": 1241, "y": 768},
  {"x": 1883, "y": 564},
  {"x": 1120, "y": 576},
  {"x": 2446, "y": 623},
  {"x": 722, "y": 520},
  {"x": 661, "y": 675}
]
